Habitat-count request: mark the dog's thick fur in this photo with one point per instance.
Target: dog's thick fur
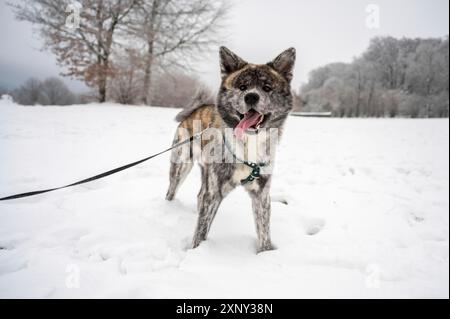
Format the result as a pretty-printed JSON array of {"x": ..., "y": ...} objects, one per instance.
[{"x": 271, "y": 82}]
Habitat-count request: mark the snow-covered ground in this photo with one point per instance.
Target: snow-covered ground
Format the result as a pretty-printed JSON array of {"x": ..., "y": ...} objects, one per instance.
[{"x": 368, "y": 212}]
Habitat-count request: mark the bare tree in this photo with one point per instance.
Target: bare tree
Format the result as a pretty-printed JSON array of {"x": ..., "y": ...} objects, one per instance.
[
  {"x": 174, "y": 89},
  {"x": 125, "y": 86},
  {"x": 55, "y": 92},
  {"x": 85, "y": 49},
  {"x": 30, "y": 93},
  {"x": 172, "y": 31},
  {"x": 51, "y": 91}
]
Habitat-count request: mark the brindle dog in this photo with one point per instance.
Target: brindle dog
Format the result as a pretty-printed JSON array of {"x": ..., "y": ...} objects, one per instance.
[{"x": 252, "y": 98}]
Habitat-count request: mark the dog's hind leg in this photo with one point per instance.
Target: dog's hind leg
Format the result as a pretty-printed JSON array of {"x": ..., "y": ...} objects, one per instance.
[
  {"x": 178, "y": 173},
  {"x": 180, "y": 166}
]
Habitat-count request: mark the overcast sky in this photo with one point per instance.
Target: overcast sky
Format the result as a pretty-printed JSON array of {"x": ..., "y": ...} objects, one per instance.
[{"x": 322, "y": 31}]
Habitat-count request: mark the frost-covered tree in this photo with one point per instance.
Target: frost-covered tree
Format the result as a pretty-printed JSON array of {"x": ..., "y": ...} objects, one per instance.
[{"x": 407, "y": 77}]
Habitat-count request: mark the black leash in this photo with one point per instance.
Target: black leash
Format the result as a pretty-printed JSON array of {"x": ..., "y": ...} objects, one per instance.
[{"x": 105, "y": 174}]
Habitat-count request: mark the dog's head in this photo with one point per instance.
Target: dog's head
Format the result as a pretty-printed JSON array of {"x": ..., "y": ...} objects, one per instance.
[{"x": 255, "y": 96}]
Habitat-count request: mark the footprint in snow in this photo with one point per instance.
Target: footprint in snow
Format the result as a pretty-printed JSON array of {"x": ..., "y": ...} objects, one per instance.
[
  {"x": 314, "y": 226},
  {"x": 279, "y": 199}
]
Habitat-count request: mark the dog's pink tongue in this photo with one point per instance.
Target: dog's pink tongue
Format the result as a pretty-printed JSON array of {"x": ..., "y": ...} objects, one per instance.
[{"x": 250, "y": 119}]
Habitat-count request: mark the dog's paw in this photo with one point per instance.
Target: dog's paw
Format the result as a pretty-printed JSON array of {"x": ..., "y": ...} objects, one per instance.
[{"x": 265, "y": 248}]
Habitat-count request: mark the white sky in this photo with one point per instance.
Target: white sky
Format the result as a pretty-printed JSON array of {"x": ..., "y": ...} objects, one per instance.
[{"x": 322, "y": 31}]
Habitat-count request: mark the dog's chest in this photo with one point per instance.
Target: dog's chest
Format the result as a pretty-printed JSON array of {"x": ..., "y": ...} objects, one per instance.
[
  {"x": 241, "y": 172},
  {"x": 252, "y": 149}
]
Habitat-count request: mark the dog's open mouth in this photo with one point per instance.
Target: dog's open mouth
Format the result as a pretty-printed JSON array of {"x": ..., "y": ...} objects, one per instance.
[{"x": 250, "y": 122}]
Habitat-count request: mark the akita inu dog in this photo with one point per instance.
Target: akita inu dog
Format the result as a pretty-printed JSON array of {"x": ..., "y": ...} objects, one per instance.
[{"x": 252, "y": 99}]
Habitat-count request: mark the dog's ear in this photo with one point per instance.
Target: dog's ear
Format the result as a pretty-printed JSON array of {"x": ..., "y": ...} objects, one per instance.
[
  {"x": 284, "y": 63},
  {"x": 230, "y": 62}
]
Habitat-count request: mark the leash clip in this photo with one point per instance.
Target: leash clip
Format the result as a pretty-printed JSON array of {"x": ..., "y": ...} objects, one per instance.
[{"x": 255, "y": 174}]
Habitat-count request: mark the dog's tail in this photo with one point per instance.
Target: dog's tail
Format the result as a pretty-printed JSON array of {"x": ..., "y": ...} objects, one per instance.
[{"x": 201, "y": 98}]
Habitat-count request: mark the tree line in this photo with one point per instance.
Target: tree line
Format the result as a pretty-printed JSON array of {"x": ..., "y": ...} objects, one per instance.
[
  {"x": 393, "y": 77},
  {"x": 171, "y": 89},
  {"x": 51, "y": 91},
  {"x": 122, "y": 48}
]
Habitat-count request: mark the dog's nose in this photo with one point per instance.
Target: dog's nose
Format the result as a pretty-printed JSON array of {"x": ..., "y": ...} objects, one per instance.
[{"x": 251, "y": 98}]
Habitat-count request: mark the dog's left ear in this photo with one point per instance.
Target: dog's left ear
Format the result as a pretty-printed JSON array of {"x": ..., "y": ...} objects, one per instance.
[{"x": 284, "y": 63}]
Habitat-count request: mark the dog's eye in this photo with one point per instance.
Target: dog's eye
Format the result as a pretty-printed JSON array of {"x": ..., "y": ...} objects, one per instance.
[
  {"x": 267, "y": 88},
  {"x": 243, "y": 87}
]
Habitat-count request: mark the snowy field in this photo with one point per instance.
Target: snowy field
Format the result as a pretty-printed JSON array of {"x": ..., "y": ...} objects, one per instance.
[{"x": 367, "y": 214}]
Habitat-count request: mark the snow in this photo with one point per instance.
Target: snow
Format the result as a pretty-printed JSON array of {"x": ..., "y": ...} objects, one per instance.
[{"x": 367, "y": 213}]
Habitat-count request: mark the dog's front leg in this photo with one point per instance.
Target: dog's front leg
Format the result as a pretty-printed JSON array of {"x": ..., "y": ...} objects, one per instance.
[
  {"x": 260, "y": 195},
  {"x": 209, "y": 200}
]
